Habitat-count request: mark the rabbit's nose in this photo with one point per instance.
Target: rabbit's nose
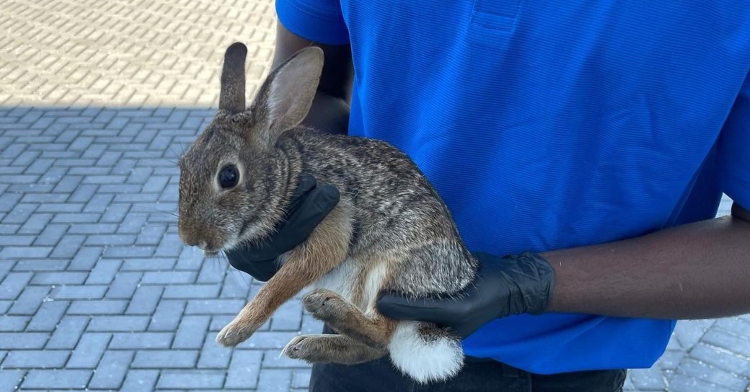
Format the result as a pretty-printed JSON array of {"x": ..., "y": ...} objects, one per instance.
[{"x": 190, "y": 236}]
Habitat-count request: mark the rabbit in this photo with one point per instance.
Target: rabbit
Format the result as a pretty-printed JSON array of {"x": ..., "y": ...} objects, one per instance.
[{"x": 390, "y": 230}]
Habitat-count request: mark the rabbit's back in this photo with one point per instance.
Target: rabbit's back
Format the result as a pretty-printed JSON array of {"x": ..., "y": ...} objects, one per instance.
[{"x": 396, "y": 212}]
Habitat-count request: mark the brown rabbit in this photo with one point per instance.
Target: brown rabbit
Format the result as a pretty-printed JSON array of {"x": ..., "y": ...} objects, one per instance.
[{"x": 390, "y": 230}]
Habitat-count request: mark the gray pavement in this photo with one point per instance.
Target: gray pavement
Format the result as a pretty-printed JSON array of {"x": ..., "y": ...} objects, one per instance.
[{"x": 97, "y": 100}]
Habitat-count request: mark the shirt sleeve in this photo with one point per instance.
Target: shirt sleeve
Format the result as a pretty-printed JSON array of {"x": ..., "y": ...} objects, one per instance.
[
  {"x": 319, "y": 21},
  {"x": 734, "y": 149}
]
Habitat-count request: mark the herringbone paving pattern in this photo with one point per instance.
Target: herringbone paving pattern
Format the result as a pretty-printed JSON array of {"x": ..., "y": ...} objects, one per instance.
[{"x": 97, "y": 101}]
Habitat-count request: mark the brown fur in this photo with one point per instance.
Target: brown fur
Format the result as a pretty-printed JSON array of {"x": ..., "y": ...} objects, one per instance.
[
  {"x": 373, "y": 330},
  {"x": 322, "y": 348},
  {"x": 390, "y": 230}
]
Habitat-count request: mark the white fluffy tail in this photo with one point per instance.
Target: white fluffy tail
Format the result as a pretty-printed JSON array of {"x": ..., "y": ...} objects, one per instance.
[{"x": 425, "y": 352}]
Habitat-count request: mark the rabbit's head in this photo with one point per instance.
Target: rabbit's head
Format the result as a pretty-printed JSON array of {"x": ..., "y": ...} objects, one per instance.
[{"x": 232, "y": 183}]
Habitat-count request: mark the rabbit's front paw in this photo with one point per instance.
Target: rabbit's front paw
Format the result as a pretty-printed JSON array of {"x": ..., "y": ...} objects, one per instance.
[
  {"x": 325, "y": 305},
  {"x": 235, "y": 333}
]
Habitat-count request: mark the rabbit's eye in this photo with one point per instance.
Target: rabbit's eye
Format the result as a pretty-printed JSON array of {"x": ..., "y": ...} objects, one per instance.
[{"x": 228, "y": 176}]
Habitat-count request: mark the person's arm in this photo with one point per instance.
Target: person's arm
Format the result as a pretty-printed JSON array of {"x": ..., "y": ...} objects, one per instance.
[
  {"x": 330, "y": 108},
  {"x": 698, "y": 270}
]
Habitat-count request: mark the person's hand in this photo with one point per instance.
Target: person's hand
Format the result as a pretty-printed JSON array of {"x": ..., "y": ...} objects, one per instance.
[
  {"x": 509, "y": 285},
  {"x": 310, "y": 204}
]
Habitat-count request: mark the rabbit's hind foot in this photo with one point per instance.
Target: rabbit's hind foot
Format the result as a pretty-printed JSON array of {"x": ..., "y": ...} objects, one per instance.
[
  {"x": 338, "y": 349},
  {"x": 346, "y": 319}
]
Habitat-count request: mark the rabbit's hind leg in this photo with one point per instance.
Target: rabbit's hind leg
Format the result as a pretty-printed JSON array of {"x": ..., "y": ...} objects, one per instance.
[
  {"x": 338, "y": 349},
  {"x": 345, "y": 318}
]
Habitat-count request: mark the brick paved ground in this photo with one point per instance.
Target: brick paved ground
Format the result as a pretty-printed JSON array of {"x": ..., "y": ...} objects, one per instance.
[{"x": 97, "y": 99}]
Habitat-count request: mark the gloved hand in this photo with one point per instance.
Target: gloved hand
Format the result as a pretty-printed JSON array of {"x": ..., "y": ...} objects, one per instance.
[
  {"x": 310, "y": 204},
  {"x": 509, "y": 285}
]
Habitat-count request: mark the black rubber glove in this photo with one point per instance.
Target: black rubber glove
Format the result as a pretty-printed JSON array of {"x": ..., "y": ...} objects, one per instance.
[
  {"x": 309, "y": 206},
  {"x": 504, "y": 286}
]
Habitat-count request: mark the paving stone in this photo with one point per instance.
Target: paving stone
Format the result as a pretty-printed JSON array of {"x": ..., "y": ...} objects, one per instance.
[
  {"x": 186, "y": 261},
  {"x": 141, "y": 340},
  {"x": 167, "y": 315},
  {"x": 147, "y": 264},
  {"x": 67, "y": 247},
  {"x": 683, "y": 383},
  {"x": 236, "y": 285},
  {"x": 301, "y": 378},
  {"x": 115, "y": 212},
  {"x": 89, "y": 350},
  {"x": 112, "y": 370},
  {"x": 85, "y": 259},
  {"x": 244, "y": 369},
  {"x": 738, "y": 326},
  {"x": 139, "y": 380},
  {"x": 110, "y": 240},
  {"x": 151, "y": 234},
  {"x": 711, "y": 375},
  {"x": 191, "y": 332},
  {"x": 718, "y": 358},
  {"x": 68, "y": 332},
  {"x": 213, "y": 355},
  {"x": 16, "y": 252},
  {"x": 104, "y": 272},
  {"x": 20, "y": 212},
  {"x": 145, "y": 300},
  {"x": 17, "y": 240},
  {"x": 273, "y": 380},
  {"x": 128, "y": 251},
  {"x": 269, "y": 340},
  {"x": 97, "y": 307},
  {"x": 212, "y": 272},
  {"x": 51, "y": 235},
  {"x": 57, "y": 379},
  {"x": 37, "y": 222},
  {"x": 648, "y": 379},
  {"x": 48, "y": 316},
  {"x": 725, "y": 340},
  {"x": 35, "y": 359},
  {"x": 29, "y": 300},
  {"x": 191, "y": 379},
  {"x": 124, "y": 285},
  {"x": 79, "y": 292},
  {"x": 13, "y": 323},
  {"x": 192, "y": 291},
  {"x": 215, "y": 306},
  {"x": 689, "y": 334},
  {"x": 13, "y": 284},
  {"x": 118, "y": 323},
  {"x": 165, "y": 359},
  {"x": 40, "y": 265},
  {"x": 10, "y": 380},
  {"x": 273, "y": 359},
  {"x": 287, "y": 318}
]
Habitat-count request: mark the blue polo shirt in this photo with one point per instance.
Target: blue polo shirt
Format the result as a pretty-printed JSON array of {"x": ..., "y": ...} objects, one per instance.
[{"x": 554, "y": 124}]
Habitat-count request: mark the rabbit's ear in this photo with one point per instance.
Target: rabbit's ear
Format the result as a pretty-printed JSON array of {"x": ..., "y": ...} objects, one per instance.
[
  {"x": 287, "y": 94},
  {"x": 232, "y": 95}
]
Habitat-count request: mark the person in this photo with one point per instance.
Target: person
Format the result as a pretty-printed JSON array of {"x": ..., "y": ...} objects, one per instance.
[{"x": 590, "y": 139}]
